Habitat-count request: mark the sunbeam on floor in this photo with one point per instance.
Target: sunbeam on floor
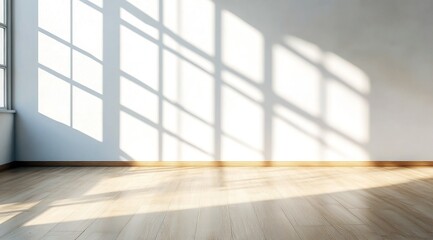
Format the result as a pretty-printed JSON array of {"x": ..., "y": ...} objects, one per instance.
[{"x": 216, "y": 203}]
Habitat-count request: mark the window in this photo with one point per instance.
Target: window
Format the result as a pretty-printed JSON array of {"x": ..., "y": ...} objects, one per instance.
[{"x": 5, "y": 54}]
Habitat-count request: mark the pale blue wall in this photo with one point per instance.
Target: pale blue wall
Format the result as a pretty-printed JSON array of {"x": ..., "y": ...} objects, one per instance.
[
  {"x": 387, "y": 42},
  {"x": 6, "y": 137}
]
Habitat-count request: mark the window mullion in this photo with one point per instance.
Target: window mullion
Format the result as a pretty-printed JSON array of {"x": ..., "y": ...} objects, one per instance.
[{"x": 8, "y": 53}]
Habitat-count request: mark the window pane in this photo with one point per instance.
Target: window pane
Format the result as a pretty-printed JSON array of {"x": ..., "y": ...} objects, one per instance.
[
  {"x": 2, "y": 88},
  {"x": 2, "y": 11},
  {"x": 2, "y": 46}
]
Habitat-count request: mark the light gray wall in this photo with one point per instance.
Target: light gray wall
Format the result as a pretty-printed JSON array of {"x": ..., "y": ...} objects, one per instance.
[
  {"x": 6, "y": 137},
  {"x": 274, "y": 80}
]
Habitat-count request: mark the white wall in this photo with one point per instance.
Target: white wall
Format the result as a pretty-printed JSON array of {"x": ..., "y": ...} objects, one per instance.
[
  {"x": 233, "y": 80},
  {"x": 6, "y": 137}
]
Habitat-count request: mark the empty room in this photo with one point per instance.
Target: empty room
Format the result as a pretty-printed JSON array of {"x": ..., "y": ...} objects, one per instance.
[{"x": 216, "y": 119}]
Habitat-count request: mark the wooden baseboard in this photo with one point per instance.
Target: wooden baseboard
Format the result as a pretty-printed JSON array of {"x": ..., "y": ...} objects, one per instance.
[
  {"x": 6, "y": 166},
  {"x": 224, "y": 164}
]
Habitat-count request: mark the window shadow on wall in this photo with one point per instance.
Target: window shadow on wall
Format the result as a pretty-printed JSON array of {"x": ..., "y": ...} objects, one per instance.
[{"x": 197, "y": 81}]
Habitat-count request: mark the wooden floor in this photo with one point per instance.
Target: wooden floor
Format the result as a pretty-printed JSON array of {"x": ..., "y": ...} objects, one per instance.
[{"x": 216, "y": 203}]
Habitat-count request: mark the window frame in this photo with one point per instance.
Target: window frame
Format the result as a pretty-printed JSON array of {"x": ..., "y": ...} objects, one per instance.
[{"x": 7, "y": 26}]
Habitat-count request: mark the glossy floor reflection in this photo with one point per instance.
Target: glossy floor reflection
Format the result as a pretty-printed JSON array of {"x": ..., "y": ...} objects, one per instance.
[{"x": 216, "y": 203}]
